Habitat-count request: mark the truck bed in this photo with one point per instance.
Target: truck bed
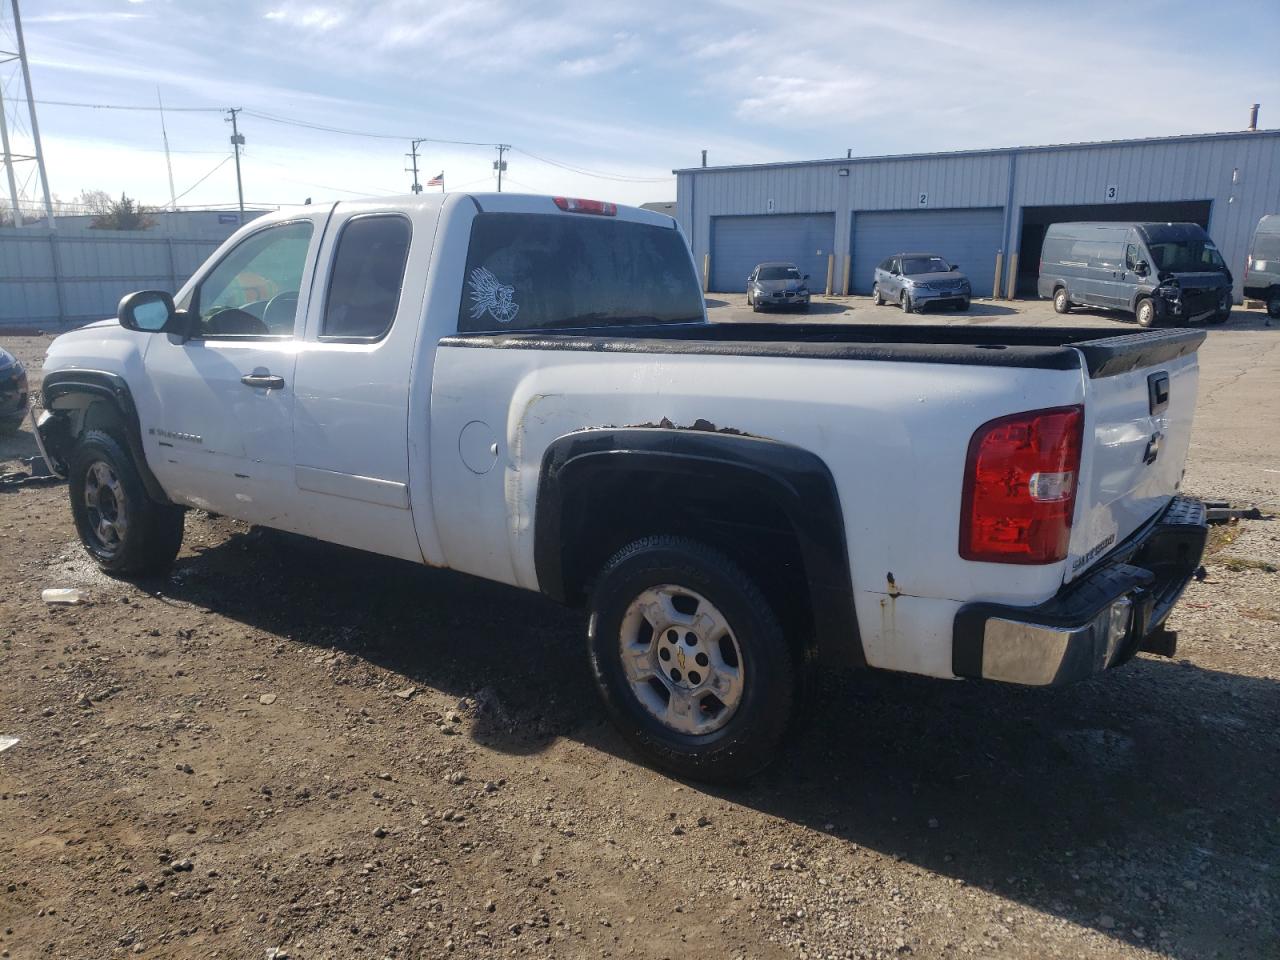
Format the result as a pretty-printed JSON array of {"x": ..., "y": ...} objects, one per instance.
[{"x": 1102, "y": 354}]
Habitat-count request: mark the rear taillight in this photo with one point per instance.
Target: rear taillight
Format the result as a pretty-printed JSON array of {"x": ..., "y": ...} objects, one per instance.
[
  {"x": 1020, "y": 487},
  {"x": 598, "y": 207}
]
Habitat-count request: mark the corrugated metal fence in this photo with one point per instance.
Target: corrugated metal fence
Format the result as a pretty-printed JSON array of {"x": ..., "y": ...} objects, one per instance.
[{"x": 54, "y": 280}]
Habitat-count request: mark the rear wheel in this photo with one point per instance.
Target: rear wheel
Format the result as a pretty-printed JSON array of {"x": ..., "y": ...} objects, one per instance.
[
  {"x": 876, "y": 295},
  {"x": 690, "y": 659},
  {"x": 1061, "y": 302},
  {"x": 124, "y": 530},
  {"x": 1146, "y": 313}
]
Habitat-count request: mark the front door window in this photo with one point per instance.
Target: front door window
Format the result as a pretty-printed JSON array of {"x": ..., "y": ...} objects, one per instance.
[{"x": 253, "y": 291}]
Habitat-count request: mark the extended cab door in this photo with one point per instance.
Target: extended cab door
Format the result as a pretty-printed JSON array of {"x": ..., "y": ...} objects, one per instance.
[
  {"x": 223, "y": 436},
  {"x": 351, "y": 424}
]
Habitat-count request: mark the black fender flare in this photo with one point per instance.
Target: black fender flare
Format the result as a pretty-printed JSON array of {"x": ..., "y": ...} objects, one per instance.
[
  {"x": 110, "y": 388},
  {"x": 796, "y": 480}
]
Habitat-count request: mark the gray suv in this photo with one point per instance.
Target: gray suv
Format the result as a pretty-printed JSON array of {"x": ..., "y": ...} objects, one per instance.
[
  {"x": 777, "y": 284},
  {"x": 915, "y": 280}
]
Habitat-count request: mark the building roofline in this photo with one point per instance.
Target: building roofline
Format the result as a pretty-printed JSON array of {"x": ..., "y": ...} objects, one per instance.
[{"x": 987, "y": 151}]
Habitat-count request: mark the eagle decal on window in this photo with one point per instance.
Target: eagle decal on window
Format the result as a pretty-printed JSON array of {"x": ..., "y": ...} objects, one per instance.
[{"x": 489, "y": 295}]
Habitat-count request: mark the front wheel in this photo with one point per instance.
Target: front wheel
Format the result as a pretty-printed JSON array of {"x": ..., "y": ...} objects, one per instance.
[
  {"x": 690, "y": 659},
  {"x": 962, "y": 306},
  {"x": 123, "y": 529},
  {"x": 877, "y": 296},
  {"x": 1061, "y": 302},
  {"x": 1146, "y": 313},
  {"x": 904, "y": 301}
]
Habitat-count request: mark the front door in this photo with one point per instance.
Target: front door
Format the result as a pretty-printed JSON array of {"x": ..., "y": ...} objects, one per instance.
[{"x": 223, "y": 439}]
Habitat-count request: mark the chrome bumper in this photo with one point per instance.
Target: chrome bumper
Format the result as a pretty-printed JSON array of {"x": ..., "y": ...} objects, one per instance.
[{"x": 1094, "y": 623}]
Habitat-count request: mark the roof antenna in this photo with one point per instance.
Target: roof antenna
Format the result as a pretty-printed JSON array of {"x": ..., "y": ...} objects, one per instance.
[{"x": 848, "y": 154}]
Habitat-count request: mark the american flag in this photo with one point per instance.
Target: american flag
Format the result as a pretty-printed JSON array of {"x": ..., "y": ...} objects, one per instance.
[{"x": 437, "y": 180}]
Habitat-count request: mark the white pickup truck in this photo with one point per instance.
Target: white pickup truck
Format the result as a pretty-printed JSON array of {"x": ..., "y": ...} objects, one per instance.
[{"x": 527, "y": 389}]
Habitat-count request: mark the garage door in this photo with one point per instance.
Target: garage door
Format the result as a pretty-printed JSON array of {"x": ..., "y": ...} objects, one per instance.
[
  {"x": 739, "y": 243},
  {"x": 969, "y": 238}
]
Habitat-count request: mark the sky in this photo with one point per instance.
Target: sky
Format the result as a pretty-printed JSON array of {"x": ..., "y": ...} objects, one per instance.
[{"x": 603, "y": 99}]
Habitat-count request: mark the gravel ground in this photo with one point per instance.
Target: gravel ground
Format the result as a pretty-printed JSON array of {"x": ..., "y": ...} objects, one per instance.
[{"x": 292, "y": 749}]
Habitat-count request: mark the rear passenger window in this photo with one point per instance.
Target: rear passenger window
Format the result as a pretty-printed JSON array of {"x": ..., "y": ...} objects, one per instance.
[
  {"x": 364, "y": 284},
  {"x": 533, "y": 271}
]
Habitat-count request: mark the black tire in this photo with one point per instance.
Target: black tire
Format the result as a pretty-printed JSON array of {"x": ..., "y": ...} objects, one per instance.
[
  {"x": 962, "y": 306},
  {"x": 1145, "y": 312},
  {"x": 875, "y": 295},
  {"x": 1219, "y": 318},
  {"x": 1061, "y": 302},
  {"x": 152, "y": 532},
  {"x": 755, "y": 306},
  {"x": 1273, "y": 305},
  {"x": 904, "y": 301},
  {"x": 749, "y": 737}
]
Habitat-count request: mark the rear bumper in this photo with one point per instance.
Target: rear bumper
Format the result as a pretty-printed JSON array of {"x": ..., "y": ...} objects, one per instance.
[{"x": 1093, "y": 623}]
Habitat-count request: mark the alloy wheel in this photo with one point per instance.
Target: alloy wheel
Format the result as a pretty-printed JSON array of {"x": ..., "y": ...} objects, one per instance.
[{"x": 681, "y": 660}]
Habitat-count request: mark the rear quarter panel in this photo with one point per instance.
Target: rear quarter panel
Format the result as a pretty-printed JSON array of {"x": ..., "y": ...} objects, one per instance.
[{"x": 894, "y": 435}]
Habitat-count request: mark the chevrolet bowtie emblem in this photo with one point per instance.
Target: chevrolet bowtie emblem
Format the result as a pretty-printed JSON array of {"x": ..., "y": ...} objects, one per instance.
[{"x": 680, "y": 658}]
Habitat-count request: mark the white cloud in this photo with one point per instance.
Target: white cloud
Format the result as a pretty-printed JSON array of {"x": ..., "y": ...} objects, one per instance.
[{"x": 307, "y": 17}]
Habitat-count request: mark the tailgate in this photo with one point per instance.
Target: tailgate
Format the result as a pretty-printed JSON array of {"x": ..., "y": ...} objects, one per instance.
[{"x": 1140, "y": 394}]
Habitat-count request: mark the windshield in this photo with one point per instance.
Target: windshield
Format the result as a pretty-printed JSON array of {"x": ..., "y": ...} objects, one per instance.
[
  {"x": 1176, "y": 256},
  {"x": 779, "y": 273},
  {"x": 914, "y": 265}
]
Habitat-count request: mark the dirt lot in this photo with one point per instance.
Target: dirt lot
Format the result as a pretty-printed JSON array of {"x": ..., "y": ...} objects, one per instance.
[{"x": 288, "y": 748}]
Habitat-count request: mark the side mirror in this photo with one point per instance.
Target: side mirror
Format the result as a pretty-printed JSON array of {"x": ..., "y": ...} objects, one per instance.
[
  {"x": 149, "y": 311},
  {"x": 955, "y": 266},
  {"x": 805, "y": 277},
  {"x": 1142, "y": 268}
]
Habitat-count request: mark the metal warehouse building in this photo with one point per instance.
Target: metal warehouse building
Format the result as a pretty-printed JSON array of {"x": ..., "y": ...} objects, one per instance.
[{"x": 985, "y": 210}]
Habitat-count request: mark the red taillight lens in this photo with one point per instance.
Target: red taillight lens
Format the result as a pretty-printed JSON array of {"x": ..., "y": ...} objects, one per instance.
[
  {"x": 598, "y": 207},
  {"x": 1020, "y": 487}
]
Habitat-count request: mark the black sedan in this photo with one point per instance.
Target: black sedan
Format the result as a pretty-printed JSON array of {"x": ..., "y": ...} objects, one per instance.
[{"x": 13, "y": 391}]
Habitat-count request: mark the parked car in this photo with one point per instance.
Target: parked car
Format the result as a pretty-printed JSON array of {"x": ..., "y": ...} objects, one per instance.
[
  {"x": 1159, "y": 272},
  {"x": 777, "y": 285},
  {"x": 488, "y": 383},
  {"x": 1262, "y": 269},
  {"x": 13, "y": 391},
  {"x": 915, "y": 280}
]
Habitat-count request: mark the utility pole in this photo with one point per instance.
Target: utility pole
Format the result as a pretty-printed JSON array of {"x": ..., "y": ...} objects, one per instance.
[
  {"x": 21, "y": 56},
  {"x": 413, "y": 152},
  {"x": 237, "y": 141},
  {"x": 501, "y": 165}
]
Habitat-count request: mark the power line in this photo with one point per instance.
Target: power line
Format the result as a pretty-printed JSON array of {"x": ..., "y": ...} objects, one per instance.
[
  {"x": 592, "y": 173},
  {"x": 202, "y": 179},
  {"x": 121, "y": 106},
  {"x": 370, "y": 135},
  {"x": 306, "y": 124}
]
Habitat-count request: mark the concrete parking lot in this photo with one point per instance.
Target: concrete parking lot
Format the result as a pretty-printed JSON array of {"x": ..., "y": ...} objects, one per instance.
[{"x": 287, "y": 746}]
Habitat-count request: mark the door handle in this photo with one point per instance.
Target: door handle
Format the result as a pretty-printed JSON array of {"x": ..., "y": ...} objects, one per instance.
[{"x": 265, "y": 380}]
